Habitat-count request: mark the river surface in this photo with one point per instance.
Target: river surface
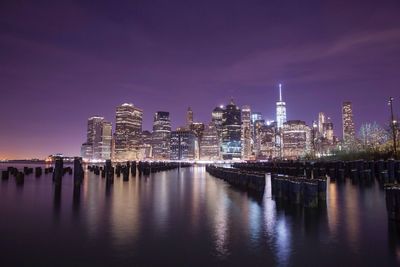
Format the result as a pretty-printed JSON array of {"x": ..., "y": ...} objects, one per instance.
[{"x": 188, "y": 218}]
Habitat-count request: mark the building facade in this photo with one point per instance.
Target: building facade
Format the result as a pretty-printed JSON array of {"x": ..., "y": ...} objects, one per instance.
[
  {"x": 209, "y": 144},
  {"x": 321, "y": 121},
  {"x": 348, "y": 125},
  {"x": 189, "y": 117},
  {"x": 246, "y": 139},
  {"x": 280, "y": 110},
  {"x": 128, "y": 131},
  {"x": 98, "y": 140},
  {"x": 266, "y": 135},
  {"x": 183, "y": 144},
  {"x": 231, "y": 132},
  {"x": 161, "y": 136},
  {"x": 217, "y": 120},
  {"x": 145, "y": 146},
  {"x": 296, "y": 139}
]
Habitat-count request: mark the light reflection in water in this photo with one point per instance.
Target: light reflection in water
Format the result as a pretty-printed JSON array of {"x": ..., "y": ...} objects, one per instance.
[
  {"x": 283, "y": 242},
  {"x": 125, "y": 220},
  {"x": 218, "y": 206},
  {"x": 221, "y": 226},
  {"x": 254, "y": 214},
  {"x": 161, "y": 200},
  {"x": 352, "y": 216},
  {"x": 269, "y": 210},
  {"x": 187, "y": 213},
  {"x": 93, "y": 191},
  {"x": 333, "y": 208}
]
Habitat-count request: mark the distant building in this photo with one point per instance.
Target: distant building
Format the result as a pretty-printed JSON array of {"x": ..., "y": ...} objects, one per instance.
[
  {"x": 296, "y": 139},
  {"x": 161, "y": 136},
  {"x": 128, "y": 131},
  {"x": 255, "y": 116},
  {"x": 183, "y": 144},
  {"x": 106, "y": 138},
  {"x": 328, "y": 131},
  {"x": 246, "y": 139},
  {"x": 197, "y": 128},
  {"x": 258, "y": 124},
  {"x": 98, "y": 140},
  {"x": 189, "y": 117},
  {"x": 280, "y": 110},
  {"x": 217, "y": 120},
  {"x": 145, "y": 146},
  {"x": 87, "y": 151},
  {"x": 209, "y": 143},
  {"x": 231, "y": 132},
  {"x": 321, "y": 121},
  {"x": 266, "y": 135},
  {"x": 348, "y": 125}
]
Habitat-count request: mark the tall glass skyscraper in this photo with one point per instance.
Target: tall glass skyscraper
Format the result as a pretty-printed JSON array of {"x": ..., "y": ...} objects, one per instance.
[
  {"x": 231, "y": 132},
  {"x": 280, "y": 110},
  {"x": 348, "y": 125},
  {"x": 246, "y": 133},
  {"x": 98, "y": 140},
  {"x": 217, "y": 120},
  {"x": 183, "y": 144},
  {"x": 128, "y": 131},
  {"x": 161, "y": 135},
  {"x": 209, "y": 143},
  {"x": 189, "y": 117}
]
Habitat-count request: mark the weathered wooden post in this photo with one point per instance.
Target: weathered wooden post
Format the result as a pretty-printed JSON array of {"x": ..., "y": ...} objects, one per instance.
[
  {"x": 78, "y": 171},
  {"x": 4, "y": 175},
  {"x": 58, "y": 170}
]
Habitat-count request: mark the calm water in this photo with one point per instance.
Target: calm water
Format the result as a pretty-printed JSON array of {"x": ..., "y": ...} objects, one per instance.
[{"x": 188, "y": 218}]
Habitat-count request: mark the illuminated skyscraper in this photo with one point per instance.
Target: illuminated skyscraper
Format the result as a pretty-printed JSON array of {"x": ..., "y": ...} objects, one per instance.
[
  {"x": 321, "y": 121},
  {"x": 255, "y": 116},
  {"x": 217, "y": 119},
  {"x": 128, "y": 132},
  {"x": 348, "y": 125},
  {"x": 183, "y": 144},
  {"x": 189, "y": 117},
  {"x": 231, "y": 132},
  {"x": 328, "y": 131},
  {"x": 209, "y": 143},
  {"x": 106, "y": 138},
  {"x": 197, "y": 128},
  {"x": 246, "y": 133},
  {"x": 98, "y": 141},
  {"x": 258, "y": 124},
  {"x": 296, "y": 139},
  {"x": 145, "y": 146},
  {"x": 265, "y": 138},
  {"x": 280, "y": 110},
  {"x": 161, "y": 136}
]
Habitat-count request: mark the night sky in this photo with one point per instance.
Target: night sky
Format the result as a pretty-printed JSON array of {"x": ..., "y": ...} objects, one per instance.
[{"x": 61, "y": 63}]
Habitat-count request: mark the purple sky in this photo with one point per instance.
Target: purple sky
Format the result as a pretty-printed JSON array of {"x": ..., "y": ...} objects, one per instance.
[{"x": 63, "y": 62}]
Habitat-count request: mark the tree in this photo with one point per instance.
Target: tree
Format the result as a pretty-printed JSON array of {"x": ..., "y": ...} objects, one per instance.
[{"x": 372, "y": 136}]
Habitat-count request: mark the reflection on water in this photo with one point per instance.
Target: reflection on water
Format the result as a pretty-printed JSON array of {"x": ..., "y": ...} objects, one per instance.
[{"x": 187, "y": 217}]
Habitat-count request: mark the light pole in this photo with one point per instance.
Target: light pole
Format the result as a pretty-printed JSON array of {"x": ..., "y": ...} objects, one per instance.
[{"x": 393, "y": 124}]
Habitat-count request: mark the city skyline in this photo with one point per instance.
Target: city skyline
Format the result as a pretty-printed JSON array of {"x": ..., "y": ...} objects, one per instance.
[
  {"x": 175, "y": 126},
  {"x": 62, "y": 69}
]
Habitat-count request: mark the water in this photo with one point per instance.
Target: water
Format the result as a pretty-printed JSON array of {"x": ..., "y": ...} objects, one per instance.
[{"x": 188, "y": 218}]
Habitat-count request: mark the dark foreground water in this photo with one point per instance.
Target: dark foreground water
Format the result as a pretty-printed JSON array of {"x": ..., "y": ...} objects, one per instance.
[{"x": 188, "y": 218}]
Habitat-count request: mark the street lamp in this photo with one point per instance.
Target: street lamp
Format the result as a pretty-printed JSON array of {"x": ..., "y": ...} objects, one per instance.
[{"x": 393, "y": 123}]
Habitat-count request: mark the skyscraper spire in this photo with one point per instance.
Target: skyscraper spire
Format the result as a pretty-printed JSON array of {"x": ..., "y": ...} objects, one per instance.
[{"x": 280, "y": 109}]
